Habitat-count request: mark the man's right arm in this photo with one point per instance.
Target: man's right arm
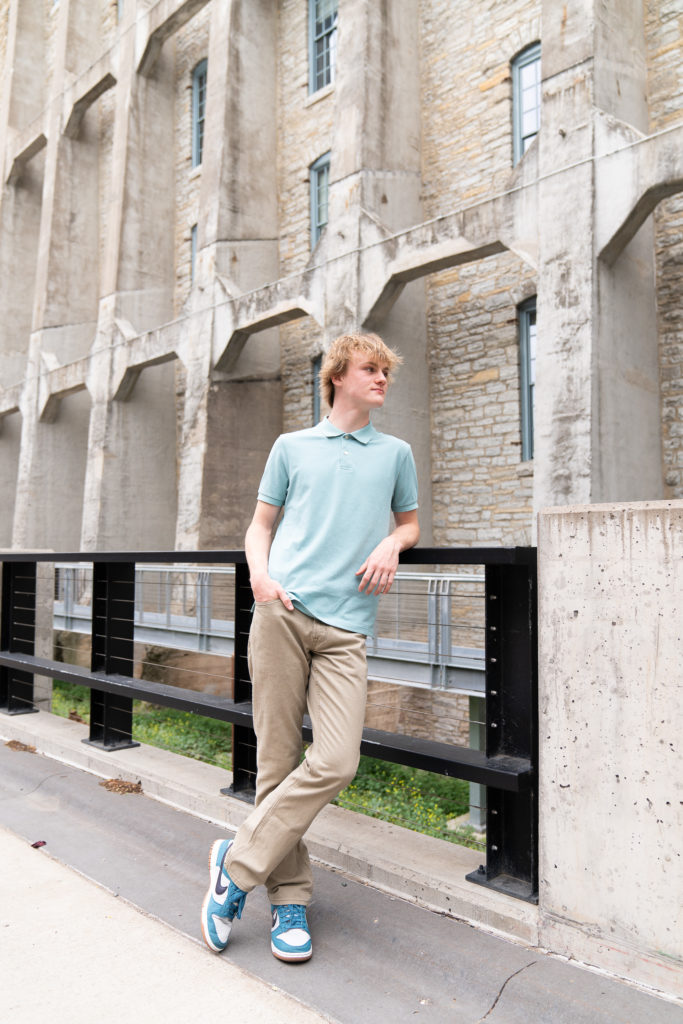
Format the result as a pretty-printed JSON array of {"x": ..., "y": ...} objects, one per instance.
[{"x": 257, "y": 543}]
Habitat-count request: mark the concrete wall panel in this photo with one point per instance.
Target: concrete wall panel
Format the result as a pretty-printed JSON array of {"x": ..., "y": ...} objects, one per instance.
[
  {"x": 139, "y": 495},
  {"x": 54, "y": 479},
  {"x": 610, "y": 706},
  {"x": 10, "y": 444}
]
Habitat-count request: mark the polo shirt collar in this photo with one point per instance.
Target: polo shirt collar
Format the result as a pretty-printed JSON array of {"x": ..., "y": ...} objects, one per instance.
[{"x": 363, "y": 435}]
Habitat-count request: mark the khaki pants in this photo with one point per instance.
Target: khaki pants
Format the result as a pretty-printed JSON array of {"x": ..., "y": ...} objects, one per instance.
[{"x": 297, "y": 663}]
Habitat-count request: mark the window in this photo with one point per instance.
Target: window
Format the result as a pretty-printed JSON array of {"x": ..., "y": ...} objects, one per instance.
[
  {"x": 315, "y": 365},
  {"x": 527, "y": 374},
  {"x": 198, "y": 111},
  {"x": 322, "y": 34},
  {"x": 526, "y": 99},
  {"x": 193, "y": 251},
  {"x": 320, "y": 182}
]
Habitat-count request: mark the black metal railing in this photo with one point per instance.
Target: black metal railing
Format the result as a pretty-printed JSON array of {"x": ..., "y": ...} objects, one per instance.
[{"x": 507, "y": 766}]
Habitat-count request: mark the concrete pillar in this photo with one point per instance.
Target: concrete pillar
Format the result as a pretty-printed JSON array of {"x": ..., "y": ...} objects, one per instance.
[
  {"x": 597, "y": 384},
  {"x": 375, "y": 182},
  {"x": 10, "y": 444},
  {"x": 137, "y": 496},
  {"x": 67, "y": 286},
  {"x": 130, "y": 487},
  {"x": 231, "y": 417},
  {"x": 51, "y": 476},
  {"x": 53, "y": 454},
  {"x": 21, "y": 102}
]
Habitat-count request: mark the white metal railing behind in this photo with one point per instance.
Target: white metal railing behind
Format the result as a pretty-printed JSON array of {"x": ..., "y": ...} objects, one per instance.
[{"x": 430, "y": 627}]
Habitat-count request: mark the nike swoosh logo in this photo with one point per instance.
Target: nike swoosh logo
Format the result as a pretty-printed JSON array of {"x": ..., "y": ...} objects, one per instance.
[{"x": 220, "y": 888}]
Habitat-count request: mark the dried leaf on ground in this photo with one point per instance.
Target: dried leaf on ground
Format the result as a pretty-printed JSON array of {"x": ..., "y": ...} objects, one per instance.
[
  {"x": 121, "y": 786},
  {"x": 16, "y": 745}
]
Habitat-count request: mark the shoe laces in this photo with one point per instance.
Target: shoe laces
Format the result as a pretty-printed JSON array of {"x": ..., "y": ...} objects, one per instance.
[
  {"x": 235, "y": 900},
  {"x": 292, "y": 915}
]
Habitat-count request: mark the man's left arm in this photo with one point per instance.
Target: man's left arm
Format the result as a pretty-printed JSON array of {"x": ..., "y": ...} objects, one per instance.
[{"x": 379, "y": 568}]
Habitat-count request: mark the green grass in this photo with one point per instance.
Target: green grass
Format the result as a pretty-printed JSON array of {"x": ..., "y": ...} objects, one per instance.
[
  {"x": 410, "y": 797},
  {"x": 204, "y": 739},
  {"x": 415, "y": 799}
]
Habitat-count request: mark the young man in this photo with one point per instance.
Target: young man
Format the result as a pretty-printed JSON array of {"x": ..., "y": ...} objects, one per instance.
[{"x": 316, "y": 586}]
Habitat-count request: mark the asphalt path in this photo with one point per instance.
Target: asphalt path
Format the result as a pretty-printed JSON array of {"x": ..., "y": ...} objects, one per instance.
[{"x": 377, "y": 959}]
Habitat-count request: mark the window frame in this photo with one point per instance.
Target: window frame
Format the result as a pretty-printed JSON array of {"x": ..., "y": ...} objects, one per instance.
[
  {"x": 529, "y": 55},
  {"x": 315, "y": 170},
  {"x": 193, "y": 252},
  {"x": 329, "y": 38},
  {"x": 526, "y": 314},
  {"x": 199, "y": 85}
]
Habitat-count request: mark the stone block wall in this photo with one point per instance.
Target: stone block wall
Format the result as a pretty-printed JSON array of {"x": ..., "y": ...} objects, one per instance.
[
  {"x": 482, "y": 493},
  {"x": 191, "y": 44},
  {"x": 412, "y": 711},
  {"x": 664, "y": 40}
]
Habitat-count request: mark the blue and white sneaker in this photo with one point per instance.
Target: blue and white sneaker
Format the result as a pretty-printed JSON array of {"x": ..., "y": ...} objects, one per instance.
[
  {"x": 290, "y": 938},
  {"x": 223, "y": 901}
]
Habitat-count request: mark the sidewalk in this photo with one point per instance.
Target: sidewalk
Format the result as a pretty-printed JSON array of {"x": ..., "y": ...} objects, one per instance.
[
  {"x": 73, "y": 952},
  {"x": 129, "y": 947}
]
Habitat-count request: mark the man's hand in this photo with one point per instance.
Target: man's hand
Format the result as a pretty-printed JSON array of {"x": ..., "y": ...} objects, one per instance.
[
  {"x": 257, "y": 545},
  {"x": 379, "y": 569},
  {"x": 265, "y": 589}
]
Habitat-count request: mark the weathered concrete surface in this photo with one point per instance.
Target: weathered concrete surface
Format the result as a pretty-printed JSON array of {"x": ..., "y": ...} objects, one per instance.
[
  {"x": 433, "y": 238},
  {"x": 376, "y": 958},
  {"x": 419, "y": 868},
  {"x": 129, "y": 958},
  {"x": 610, "y": 706}
]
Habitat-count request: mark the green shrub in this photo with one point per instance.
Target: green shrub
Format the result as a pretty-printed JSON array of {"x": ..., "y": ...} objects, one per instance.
[{"x": 415, "y": 799}]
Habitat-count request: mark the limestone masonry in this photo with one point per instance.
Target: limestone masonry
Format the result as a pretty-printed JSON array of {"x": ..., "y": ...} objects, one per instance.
[{"x": 160, "y": 315}]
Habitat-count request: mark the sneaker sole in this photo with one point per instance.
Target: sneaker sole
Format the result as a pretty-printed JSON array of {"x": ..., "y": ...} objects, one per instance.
[
  {"x": 205, "y": 904},
  {"x": 290, "y": 958}
]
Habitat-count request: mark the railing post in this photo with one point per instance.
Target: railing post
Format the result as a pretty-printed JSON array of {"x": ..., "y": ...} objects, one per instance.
[
  {"x": 511, "y": 729},
  {"x": 18, "y": 629},
  {"x": 113, "y": 610},
  {"x": 243, "y": 738},
  {"x": 203, "y": 610}
]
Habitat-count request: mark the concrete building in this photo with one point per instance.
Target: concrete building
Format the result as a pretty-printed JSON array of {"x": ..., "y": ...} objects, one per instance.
[{"x": 198, "y": 195}]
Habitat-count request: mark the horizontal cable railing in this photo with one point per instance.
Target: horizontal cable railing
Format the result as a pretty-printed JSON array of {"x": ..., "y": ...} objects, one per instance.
[
  {"x": 458, "y": 611},
  {"x": 430, "y": 627}
]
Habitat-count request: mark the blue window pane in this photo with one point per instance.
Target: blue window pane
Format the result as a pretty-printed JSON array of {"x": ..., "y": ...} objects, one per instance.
[
  {"x": 323, "y": 42},
  {"x": 526, "y": 99},
  {"x": 320, "y": 179},
  {"x": 529, "y": 75},
  {"x": 199, "y": 81},
  {"x": 529, "y": 123}
]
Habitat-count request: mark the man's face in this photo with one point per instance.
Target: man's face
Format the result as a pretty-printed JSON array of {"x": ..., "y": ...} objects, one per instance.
[{"x": 364, "y": 382}]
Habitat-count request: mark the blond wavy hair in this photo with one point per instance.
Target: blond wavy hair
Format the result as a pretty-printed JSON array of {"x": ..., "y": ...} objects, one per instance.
[{"x": 336, "y": 359}]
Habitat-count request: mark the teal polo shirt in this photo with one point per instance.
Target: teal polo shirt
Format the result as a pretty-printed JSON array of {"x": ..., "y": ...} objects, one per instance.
[{"x": 338, "y": 491}]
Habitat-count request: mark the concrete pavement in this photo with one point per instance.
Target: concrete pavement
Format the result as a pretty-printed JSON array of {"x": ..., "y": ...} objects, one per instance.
[
  {"x": 73, "y": 952},
  {"x": 131, "y": 948}
]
